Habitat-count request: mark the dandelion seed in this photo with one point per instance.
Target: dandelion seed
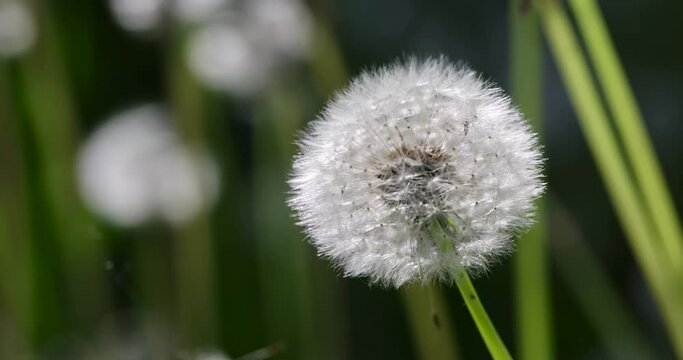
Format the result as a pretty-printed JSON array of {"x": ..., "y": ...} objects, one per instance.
[{"x": 418, "y": 174}]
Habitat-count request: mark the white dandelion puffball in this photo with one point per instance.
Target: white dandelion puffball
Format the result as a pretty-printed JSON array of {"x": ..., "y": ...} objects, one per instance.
[
  {"x": 135, "y": 168},
  {"x": 17, "y": 29},
  {"x": 223, "y": 57},
  {"x": 138, "y": 15},
  {"x": 240, "y": 50},
  {"x": 406, "y": 148},
  {"x": 284, "y": 26}
]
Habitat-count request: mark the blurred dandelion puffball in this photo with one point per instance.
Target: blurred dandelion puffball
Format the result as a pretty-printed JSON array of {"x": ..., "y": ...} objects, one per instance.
[
  {"x": 137, "y": 15},
  {"x": 408, "y": 147},
  {"x": 17, "y": 28},
  {"x": 135, "y": 168},
  {"x": 222, "y": 57},
  {"x": 240, "y": 51}
]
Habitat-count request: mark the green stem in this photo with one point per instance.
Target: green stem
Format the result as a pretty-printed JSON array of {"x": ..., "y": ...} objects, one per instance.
[
  {"x": 326, "y": 62},
  {"x": 52, "y": 123},
  {"x": 15, "y": 233},
  {"x": 603, "y": 145},
  {"x": 488, "y": 332},
  {"x": 630, "y": 125},
  {"x": 433, "y": 333},
  {"x": 285, "y": 260},
  {"x": 193, "y": 239},
  {"x": 534, "y": 330}
]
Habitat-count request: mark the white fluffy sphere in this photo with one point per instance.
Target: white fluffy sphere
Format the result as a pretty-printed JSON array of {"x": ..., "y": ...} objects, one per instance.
[
  {"x": 135, "y": 168},
  {"x": 406, "y": 147}
]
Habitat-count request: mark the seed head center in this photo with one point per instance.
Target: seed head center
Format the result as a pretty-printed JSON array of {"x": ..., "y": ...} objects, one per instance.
[{"x": 415, "y": 181}]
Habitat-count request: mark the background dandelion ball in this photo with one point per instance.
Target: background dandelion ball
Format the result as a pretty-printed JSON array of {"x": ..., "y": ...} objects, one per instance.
[{"x": 407, "y": 144}]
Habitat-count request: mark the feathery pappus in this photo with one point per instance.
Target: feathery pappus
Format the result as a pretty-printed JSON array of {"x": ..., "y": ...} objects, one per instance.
[{"x": 407, "y": 148}]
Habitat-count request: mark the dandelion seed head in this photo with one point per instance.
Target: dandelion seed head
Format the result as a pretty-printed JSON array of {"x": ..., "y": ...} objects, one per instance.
[{"x": 406, "y": 146}]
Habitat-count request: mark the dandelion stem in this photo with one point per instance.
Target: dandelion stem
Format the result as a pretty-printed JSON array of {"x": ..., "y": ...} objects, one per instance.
[
  {"x": 533, "y": 300},
  {"x": 486, "y": 328},
  {"x": 432, "y": 332}
]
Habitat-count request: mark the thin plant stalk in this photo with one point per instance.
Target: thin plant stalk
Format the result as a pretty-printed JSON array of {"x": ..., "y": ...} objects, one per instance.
[
  {"x": 630, "y": 125},
  {"x": 486, "y": 328},
  {"x": 534, "y": 323},
  {"x": 588, "y": 282},
  {"x": 51, "y": 119},
  {"x": 329, "y": 72},
  {"x": 426, "y": 307},
  {"x": 603, "y": 145},
  {"x": 284, "y": 119},
  {"x": 15, "y": 264},
  {"x": 284, "y": 259},
  {"x": 196, "y": 308},
  {"x": 327, "y": 64}
]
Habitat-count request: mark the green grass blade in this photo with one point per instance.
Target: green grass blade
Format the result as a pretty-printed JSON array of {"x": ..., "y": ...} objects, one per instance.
[
  {"x": 284, "y": 258},
  {"x": 15, "y": 265},
  {"x": 196, "y": 297},
  {"x": 52, "y": 122},
  {"x": 534, "y": 323},
  {"x": 620, "y": 188},
  {"x": 630, "y": 125},
  {"x": 427, "y": 309}
]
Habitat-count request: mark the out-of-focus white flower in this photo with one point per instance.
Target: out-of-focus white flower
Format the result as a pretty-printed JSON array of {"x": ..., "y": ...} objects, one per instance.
[
  {"x": 146, "y": 15},
  {"x": 408, "y": 149},
  {"x": 135, "y": 168},
  {"x": 17, "y": 28},
  {"x": 237, "y": 44},
  {"x": 138, "y": 15},
  {"x": 283, "y": 25},
  {"x": 239, "y": 52},
  {"x": 224, "y": 58}
]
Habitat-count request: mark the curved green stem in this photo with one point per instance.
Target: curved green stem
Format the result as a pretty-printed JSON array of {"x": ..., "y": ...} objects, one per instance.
[{"x": 488, "y": 332}]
